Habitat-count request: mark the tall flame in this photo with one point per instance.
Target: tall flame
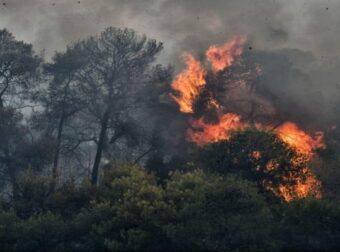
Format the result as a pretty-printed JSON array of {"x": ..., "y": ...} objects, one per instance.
[{"x": 188, "y": 84}]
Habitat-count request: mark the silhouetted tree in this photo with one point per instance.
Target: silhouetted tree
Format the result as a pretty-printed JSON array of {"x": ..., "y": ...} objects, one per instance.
[
  {"x": 18, "y": 64},
  {"x": 118, "y": 62},
  {"x": 18, "y": 68},
  {"x": 61, "y": 101}
]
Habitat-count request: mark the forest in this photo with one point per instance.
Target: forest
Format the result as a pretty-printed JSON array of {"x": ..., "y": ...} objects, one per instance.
[{"x": 106, "y": 148}]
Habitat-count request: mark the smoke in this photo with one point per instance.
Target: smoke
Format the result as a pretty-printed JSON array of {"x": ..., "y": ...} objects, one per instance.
[
  {"x": 295, "y": 41},
  {"x": 308, "y": 25}
]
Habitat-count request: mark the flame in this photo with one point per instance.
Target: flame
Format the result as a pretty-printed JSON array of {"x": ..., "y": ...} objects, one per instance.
[
  {"x": 213, "y": 104},
  {"x": 203, "y": 133},
  {"x": 308, "y": 187},
  {"x": 188, "y": 84},
  {"x": 256, "y": 155},
  {"x": 271, "y": 165},
  {"x": 223, "y": 56},
  {"x": 290, "y": 133}
]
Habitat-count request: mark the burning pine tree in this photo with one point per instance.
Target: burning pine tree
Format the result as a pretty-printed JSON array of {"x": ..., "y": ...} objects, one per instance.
[{"x": 220, "y": 96}]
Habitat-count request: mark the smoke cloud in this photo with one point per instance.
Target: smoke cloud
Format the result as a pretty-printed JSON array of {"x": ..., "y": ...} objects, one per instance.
[{"x": 296, "y": 42}]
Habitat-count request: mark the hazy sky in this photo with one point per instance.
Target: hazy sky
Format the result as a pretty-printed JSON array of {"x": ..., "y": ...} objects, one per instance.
[
  {"x": 308, "y": 25},
  {"x": 296, "y": 41}
]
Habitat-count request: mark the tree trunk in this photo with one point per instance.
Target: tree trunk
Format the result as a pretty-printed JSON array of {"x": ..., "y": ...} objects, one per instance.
[
  {"x": 8, "y": 160},
  {"x": 100, "y": 147},
  {"x": 11, "y": 172},
  {"x": 12, "y": 175},
  {"x": 57, "y": 150}
]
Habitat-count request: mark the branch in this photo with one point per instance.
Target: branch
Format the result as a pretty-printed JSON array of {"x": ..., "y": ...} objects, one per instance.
[{"x": 143, "y": 155}]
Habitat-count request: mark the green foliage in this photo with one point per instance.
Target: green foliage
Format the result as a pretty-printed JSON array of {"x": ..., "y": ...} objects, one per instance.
[
  {"x": 8, "y": 222},
  {"x": 193, "y": 210},
  {"x": 41, "y": 232},
  {"x": 46, "y": 232},
  {"x": 309, "y": 224},
  {"x": 217, "y": 213},
  {"x": 33, "y": 193},
  {"x": 17, "y": 61},
  {"x": 70, "y": 198},
  {"x": 139, "y": 210},
  {"x": 35, "y": 196},
  {"x": 84, "y": 227}
]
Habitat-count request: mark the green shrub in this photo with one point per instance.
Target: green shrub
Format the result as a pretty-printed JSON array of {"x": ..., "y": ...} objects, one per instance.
[{"x": 217, "y": 213}]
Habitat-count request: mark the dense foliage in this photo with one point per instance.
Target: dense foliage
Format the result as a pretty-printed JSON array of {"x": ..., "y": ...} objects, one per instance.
[{"x": 130, "y": 210}]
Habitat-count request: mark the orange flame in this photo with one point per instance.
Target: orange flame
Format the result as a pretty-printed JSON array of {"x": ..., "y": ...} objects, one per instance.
[
  {"x": 203, "y": 133},
  {"x": 223, "y": 56},
  {"x": 289, "y": 133},
  {"x": 300, "y": 140},
  {"x": 188, "y": 84},
  {"x": 309, "y": 187}
]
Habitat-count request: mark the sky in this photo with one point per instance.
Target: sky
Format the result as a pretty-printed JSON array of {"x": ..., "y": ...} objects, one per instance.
[
  {"x": 297, "y": 41},
  {"x": 307, "y": 25}
]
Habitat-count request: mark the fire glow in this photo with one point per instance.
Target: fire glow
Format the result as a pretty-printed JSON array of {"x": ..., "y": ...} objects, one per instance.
[
  {"x": 223, "y": 56},
  {"x": 290, "y": 133},
  {"x": 188, "y": 85},
  {"x": 203, "y": 133}
]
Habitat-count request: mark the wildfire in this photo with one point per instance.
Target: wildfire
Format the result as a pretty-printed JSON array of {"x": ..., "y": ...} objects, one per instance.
[
  {"x": 223, "y": 56},
  {"x": 202, "y": 133},
  {"x": 292, "y": 135},
  {"x": 188, "y": 86},
  {"x": 302, "y": 189}
]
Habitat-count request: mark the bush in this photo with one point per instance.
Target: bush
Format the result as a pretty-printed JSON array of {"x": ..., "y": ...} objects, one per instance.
[
  {"x": 309, "y": 225},
  {"x": 32, "y": 194},
  {"x": 138, "y": 210},
  {"x": 217, "y": 213},
  {"x": 193, "y": 210},
  {"x": 43, "y": 232},
  {"x": 8, "y": 221},
  {"x": 70, "y": 198}
]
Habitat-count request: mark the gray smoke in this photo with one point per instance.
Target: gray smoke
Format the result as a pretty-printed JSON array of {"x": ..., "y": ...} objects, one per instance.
[
  {"x": 307, "y": 25},
  {"x": 297, "y": 41}
]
